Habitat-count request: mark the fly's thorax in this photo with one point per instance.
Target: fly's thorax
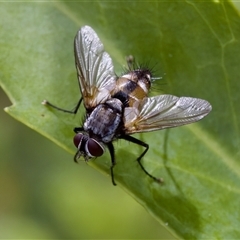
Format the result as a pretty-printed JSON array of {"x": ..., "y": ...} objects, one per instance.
[
  {"x": 104, "y": 121},
  {"x": 115, "y": 104}
]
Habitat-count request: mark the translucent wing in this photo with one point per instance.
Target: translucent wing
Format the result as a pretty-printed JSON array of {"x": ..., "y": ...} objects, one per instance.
[
  {"x": 94, "y": 67},
  {"x": 164, "y": 111}
]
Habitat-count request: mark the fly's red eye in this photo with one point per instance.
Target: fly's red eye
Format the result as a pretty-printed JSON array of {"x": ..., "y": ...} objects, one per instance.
[
  {"x": 77, "y": 139},
  {"x": 94, "y": 148}
]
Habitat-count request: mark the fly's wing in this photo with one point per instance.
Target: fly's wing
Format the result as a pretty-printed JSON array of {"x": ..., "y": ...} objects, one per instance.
[
  {"x": 164, "y": 111},
  {"x": 94, "y": 68}
]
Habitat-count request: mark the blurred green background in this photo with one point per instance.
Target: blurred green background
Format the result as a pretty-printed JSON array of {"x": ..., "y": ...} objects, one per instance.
[{"x": 44, "y": 194}]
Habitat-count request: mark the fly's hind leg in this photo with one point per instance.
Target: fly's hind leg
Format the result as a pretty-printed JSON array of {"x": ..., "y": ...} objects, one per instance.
[
  {"x": 139, "y": 142},
  {"x": 74, "y": 111}
]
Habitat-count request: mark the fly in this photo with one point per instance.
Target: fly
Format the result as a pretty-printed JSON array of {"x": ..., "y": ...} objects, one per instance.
[{"x": 117, "y": 107}]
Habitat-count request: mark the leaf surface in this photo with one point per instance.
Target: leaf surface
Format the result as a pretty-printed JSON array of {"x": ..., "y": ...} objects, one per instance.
[{"x": 194, "y": 45}]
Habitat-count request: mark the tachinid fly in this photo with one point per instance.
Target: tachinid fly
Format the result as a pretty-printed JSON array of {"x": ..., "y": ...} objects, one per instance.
[{"x": 117, "y": 107}]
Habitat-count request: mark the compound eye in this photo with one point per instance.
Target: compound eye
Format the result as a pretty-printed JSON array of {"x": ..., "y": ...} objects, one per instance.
[
  {"x": 94, "y": 148},
  {"x": 77, "y": 139}
]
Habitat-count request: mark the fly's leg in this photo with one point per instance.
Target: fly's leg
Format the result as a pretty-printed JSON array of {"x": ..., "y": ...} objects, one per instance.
[
  {"x": 78, "y": 129},
  {"x": 112, "y": 154},
  {"x": 139, "y": 142},
  {"x": 74, "y": 111}
]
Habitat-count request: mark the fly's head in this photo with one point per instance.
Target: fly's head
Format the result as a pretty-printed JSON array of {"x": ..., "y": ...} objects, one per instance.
[{"x": 87, "y": 147}]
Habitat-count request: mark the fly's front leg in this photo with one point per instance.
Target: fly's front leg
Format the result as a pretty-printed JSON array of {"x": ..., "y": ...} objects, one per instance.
[
  {"x": 139, "y": 142},
  {"x": 112, "y": 154},
  {"x": 78, "y": 129}
]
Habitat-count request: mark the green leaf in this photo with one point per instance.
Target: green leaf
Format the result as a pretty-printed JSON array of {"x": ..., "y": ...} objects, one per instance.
[{"x": 194, "y": 45}]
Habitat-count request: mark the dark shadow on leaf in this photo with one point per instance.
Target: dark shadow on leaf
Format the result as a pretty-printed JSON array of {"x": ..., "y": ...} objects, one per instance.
[
  {"x": 165, "y": 160},
  {"x": 177, "y": 212}
]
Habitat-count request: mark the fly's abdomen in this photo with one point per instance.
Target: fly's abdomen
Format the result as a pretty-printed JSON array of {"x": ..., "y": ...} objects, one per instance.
[{"x": 132, "y": 87}]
